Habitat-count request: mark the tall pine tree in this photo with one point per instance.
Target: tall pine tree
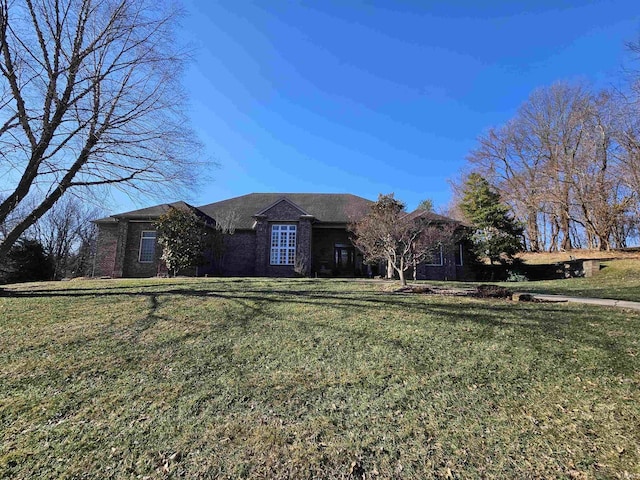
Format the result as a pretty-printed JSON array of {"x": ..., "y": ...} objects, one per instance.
[{"x": 497, "y": 235}]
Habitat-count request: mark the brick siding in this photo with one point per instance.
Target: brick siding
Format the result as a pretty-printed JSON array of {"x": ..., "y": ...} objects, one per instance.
[
  {"x": 106, "y": 247},
  {"x": 240, "y": 254},
  {"x": 132, "y": 267}
]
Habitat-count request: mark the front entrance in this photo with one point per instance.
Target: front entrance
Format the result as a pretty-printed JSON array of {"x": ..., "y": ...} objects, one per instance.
[{"x": 344, "y": 259}]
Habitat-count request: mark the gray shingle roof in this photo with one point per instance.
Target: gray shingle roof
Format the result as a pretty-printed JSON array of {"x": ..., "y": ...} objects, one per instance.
[
  {"x": 151, "y": 213},
  {"x": 325, "y": 207},
  {"x": 338, "y": 208},
  {"x": 430, "y": 216}
]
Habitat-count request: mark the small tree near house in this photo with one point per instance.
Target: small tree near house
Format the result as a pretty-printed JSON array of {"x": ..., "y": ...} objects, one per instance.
[
  {"x": 184, "y": 236},
  {"x": 387, "y": 233}
]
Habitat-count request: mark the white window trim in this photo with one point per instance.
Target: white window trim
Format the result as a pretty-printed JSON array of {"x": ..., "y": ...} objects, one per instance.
[
  {"x": 142, "y": 239},
  {"x": 283, "y": 251},
  {"x": 441, "y": 259}
]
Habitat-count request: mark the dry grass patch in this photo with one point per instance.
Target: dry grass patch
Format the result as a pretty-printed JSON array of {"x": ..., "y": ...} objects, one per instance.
[
  {"x": 255, "y": 378},
  {"x": 556, "y": 257}
]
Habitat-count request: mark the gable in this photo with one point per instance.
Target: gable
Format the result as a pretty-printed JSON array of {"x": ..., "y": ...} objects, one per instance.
[
  {"x": 331, "y": 208},
  {"x": 283, "y": 210}
]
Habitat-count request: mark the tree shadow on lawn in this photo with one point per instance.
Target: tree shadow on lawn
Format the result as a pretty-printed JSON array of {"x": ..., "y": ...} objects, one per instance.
[
  {"x": 547, "y": 327},
  {"x": 66, "y": 288}
]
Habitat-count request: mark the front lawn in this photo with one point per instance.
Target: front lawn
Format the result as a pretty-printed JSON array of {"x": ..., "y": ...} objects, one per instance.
[{"x": 255, "y": 378}]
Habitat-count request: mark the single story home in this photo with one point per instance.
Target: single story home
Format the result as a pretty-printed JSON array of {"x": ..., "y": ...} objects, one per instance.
[{"x": 270, "y": 234}]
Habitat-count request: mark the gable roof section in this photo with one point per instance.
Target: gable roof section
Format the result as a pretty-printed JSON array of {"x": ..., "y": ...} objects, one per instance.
[
  {"x": 339, "y": 208},
  {"x": 152, "y": 213},
  {"x": 282, "y": 199},
  {"x": 434, "y": 217},
  {"x": 430, "y": 216}
]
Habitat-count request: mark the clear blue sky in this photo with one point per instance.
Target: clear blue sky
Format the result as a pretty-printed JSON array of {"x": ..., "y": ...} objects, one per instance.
[{"x": 371, "y": 97}]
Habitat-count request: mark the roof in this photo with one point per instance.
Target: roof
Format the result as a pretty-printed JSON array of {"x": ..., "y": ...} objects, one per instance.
[
  {"x": 151, "y": 213},
  {"x": 338, "y": 208},
  {"x": 434, "y": 217},
  {"x": 430, "y": 216}
]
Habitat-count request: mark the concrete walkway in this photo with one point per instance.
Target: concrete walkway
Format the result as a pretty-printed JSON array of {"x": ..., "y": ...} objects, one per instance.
[{"x": 605, "y": 302}]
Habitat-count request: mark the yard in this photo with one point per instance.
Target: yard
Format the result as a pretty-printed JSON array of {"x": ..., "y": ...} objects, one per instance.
[
  {"x": 618, "y": 279},
  {"x": 257, "y": 378}
]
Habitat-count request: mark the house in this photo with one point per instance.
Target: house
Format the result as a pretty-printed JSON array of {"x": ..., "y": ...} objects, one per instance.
[{"x": 272, "y": 235}]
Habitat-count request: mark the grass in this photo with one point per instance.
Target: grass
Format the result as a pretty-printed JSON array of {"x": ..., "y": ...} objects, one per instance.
[
  {"x": 555, "y": 257},
  {"x": 256, "y": 378},
  {"x": 617, "y": 279}
]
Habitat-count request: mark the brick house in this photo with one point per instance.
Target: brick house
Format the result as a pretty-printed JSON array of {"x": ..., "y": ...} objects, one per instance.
[{"x": 274, "y": 235}]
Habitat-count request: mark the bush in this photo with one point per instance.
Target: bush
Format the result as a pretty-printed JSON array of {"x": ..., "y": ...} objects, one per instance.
[
  {"x": 26, "y": 262},
  {"x": 516, "y": 276}
]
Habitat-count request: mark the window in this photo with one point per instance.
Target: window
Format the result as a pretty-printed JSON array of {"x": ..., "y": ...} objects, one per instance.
[
  {"x": 436, "y": 257},
  {"x": 283, "y": 244},
  {"x": 147, "y": 247},
  {"x": 459, "y": 255}
]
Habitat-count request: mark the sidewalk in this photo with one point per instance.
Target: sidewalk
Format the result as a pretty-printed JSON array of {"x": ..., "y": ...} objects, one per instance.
[{"x": 605, "y": 302}]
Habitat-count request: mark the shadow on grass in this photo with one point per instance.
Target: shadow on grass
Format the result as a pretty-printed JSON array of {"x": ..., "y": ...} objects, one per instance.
[{"x": 544, "y": 326}]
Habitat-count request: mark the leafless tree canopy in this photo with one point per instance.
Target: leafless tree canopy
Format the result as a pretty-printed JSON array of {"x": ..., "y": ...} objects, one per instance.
[
  {"x": 387, "y": 233},
  {"x": 89, "y": 96},
  {"x": 68, "y": 236},
  {"x": 567, "y": 164}
]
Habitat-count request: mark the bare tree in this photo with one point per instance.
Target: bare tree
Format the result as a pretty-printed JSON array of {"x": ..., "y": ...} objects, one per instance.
[
  {"x": 508, "y": 157},
  {"x": 628, "y": 134},
  {"x": 226, "y": 222},
  {"x": 387, "y": 233},
  {"x": 565, "y": 167},
  {"x": 89, "y": 97},
  {"x": 66, "y": 231}
]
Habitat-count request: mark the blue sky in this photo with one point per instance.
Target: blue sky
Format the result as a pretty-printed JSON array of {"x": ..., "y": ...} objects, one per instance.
[{"x": 371, "y": 97}]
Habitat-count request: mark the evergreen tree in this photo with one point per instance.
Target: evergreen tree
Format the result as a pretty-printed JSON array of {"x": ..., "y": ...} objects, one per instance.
[
  {"x": 497, "y": 235},
  {"x": 183, "y": 237},
  {"x": 426, "y": 204},
  {"x": 26, "y": 262}
]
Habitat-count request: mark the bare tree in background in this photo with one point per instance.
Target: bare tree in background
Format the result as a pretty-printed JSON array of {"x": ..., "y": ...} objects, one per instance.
[
  {"x": 564, "y": 164},
  {"x": 226, "y": 222},
  {"x": 89, "y": 97},
  {"x": 628, "y": 133},
  {"x": 67, "y": 235}
]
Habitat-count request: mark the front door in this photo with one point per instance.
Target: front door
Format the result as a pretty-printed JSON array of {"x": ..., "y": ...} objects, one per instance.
[{"x": 344, "y": 258}]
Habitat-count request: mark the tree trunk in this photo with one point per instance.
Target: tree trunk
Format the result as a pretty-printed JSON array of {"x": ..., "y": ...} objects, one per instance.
[{"x": 533, "y": 231}]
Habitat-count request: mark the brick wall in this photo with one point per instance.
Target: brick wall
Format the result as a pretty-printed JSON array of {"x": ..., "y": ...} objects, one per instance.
[
  {"x": 281, "y": 213},
  {"x": 240, "y": 254},
  {"x": 132, "y": 267},
  {"x": 106, "y": 246},
  {"x": 303, "y": 247},
  {"x": 447, "y": 271}
]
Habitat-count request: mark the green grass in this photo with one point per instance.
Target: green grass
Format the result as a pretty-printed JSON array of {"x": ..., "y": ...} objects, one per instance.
[
  {"x": 617, "y": 279},
  {"x": 255, "y": 378}
]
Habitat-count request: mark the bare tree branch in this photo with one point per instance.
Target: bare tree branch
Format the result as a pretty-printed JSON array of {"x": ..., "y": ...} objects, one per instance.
[{"x": 90, "y": 97}]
